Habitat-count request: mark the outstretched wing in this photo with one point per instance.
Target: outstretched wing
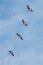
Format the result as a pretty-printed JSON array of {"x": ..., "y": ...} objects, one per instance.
[
  {"x": 31, "y": 10},
  {"x": 21, "y": 38},
  {"x": 12, "y": 54},
  {"x": 17, "y": 34},
  {"x": 23, "y": 21},
  {"x": 26, "y": 24},
  {"x": 28, "y": 7}
]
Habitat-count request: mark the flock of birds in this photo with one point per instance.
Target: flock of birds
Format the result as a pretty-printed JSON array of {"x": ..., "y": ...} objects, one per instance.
[{"x": 24, "y": 23}]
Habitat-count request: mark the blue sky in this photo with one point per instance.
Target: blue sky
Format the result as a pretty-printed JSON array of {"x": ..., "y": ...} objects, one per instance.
[{"x": 30, "y": 50}]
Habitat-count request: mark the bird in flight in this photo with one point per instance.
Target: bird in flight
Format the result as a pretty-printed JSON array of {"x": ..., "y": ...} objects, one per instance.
[
  {"x": 11, "y": 52},
  {"x": 19, "y": 36},
  {"x": 29, "y": 9},
  {"x": 24, "y": 23}
]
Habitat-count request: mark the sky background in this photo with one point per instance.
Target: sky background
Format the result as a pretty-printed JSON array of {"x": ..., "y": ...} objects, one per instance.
[{"x": 30, "y": 50}]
